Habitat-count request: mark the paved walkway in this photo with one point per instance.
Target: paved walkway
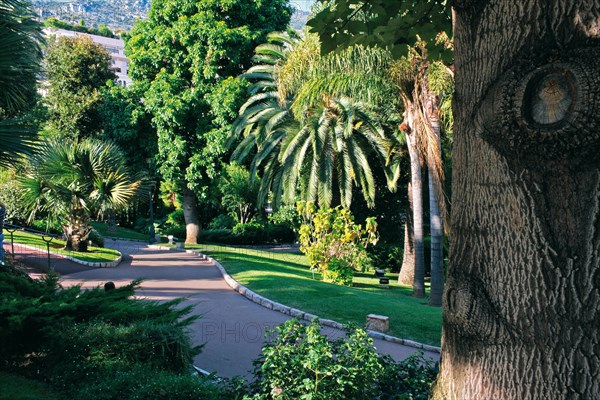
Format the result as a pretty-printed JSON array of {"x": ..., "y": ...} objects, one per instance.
[{"x": 232, "y": 327}]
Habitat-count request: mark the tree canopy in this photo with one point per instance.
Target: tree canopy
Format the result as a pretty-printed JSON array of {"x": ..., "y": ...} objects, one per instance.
[
  {"x": 186, "y": 55},
  {"x": 77, "y": 70},
  {"x": 391, "y": 24}
]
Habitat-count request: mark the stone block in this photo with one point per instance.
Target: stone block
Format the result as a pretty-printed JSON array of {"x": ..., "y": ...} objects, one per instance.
[{"x": 379, "y": 323}]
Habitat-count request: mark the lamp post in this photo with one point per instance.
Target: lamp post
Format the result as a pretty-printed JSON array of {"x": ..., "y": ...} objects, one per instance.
[{"x": 152, "y": 238}]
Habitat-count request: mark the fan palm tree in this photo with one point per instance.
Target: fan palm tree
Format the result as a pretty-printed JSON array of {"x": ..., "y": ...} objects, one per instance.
[
  {"x": 20, "y": 57},
  {"x": 71, "y": 181}
]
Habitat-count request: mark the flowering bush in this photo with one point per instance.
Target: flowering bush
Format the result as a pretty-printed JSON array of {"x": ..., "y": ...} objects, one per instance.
[{"x": 334, "y": 244}]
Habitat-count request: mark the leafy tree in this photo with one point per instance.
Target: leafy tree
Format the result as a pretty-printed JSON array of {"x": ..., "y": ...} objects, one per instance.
[
  {"x": 77, "y": 71},
  {"x": 185, "y": 54},
  {"x": 20, "y": 56},
  {"x": 127, "y": 123},
  {"x": 72, "y": 180},
  {"x": 392, "y": 24}
]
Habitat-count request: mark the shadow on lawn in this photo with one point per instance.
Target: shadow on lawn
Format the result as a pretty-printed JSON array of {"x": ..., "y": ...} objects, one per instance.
[{"x": 228, "y": 256}]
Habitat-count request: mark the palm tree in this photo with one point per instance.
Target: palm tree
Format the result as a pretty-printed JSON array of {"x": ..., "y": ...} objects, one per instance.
[
  {"x": 308, "y": 133},
  {"x": 20, "y": 57},
  {"x": 71, "y": 181},
  {"x": 422, "y": 84}
]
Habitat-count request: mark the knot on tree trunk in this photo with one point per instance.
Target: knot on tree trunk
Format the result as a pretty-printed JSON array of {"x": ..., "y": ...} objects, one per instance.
[{"x": 468, "y": 308}]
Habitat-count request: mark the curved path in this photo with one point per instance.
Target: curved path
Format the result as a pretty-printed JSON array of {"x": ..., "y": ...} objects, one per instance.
[{"x": 232, "y": 327}]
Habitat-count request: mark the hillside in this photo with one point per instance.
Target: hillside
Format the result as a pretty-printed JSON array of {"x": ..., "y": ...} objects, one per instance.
[{"x": 118, "y": 15}]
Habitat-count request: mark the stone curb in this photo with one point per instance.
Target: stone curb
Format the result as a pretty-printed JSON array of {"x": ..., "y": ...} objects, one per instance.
[
  {"x": 110, "y": 264},
  {"x": 272, "y": 305}
]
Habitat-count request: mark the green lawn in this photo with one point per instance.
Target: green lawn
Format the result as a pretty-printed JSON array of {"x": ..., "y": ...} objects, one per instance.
[
  {"x": 119, "y": 232},
  {"x": 15, "y": 387},
  {"x": 95, "y": 254},
  {"x": 286, "y": 278}
]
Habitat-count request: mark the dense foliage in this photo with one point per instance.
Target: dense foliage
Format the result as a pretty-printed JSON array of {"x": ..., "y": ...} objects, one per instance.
[
  {"x": 98, "y": 344},
  {"x": 20, "y": 57},
  {"x": 301, "y": 363},
  {"x": 334, "y": 244},
  {"x": 392, "y": 24},
  {"x": 186, "y": 55},
  {"x": 77, "y": 71},
  {"x": 73, "y": 181}
]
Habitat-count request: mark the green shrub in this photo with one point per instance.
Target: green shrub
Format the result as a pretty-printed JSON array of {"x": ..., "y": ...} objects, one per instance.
[
  {"x": 280, "y": 233},
  {"x": 96, "y": 238},
  {"x": 178, "y": 231},
  {"x": 302, "y": 363},
  {"x": 332, "y": 242},
  {"x": 160, "y": 345},
  {"x": 218, "y": 236},
  {"x": 410, "y": 379},
  {"x": 44, "y": 225},
  {"x": 250, "y": 233},
  {"x": 137, "y": 382},
  {"x": 34, "y": 314},
  {"x": 101, "y": 345},
  {"x": 386, "y": 256},
  {"x": 223, "y": 221}
]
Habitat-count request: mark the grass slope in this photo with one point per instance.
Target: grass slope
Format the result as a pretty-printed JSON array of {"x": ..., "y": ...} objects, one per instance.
[
  {"x": 95, "y": 254},
  {"x": 286, "y": 278}
]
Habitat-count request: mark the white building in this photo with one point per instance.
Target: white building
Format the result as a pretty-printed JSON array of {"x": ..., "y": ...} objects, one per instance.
[{"x": 119, "y": 63}]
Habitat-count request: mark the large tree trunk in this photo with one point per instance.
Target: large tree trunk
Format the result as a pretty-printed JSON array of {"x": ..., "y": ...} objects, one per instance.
[
  {"x": 190, "y": 214},
  {"x": 522, "y": 300},
  {"x": 434, "y": 176},
  {"x": 407, "y": 271},
  {"x": 417, "y": 205}
]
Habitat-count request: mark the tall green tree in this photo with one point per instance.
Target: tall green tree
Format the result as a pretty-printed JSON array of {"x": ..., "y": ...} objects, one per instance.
[
  {"x": 20, "y": 56},
  {"x": 78, "y": 70},
  {"x": 315, "y": 121},
  {"x": 185, "y": 55},
  {"x": 127, "y": 123}
]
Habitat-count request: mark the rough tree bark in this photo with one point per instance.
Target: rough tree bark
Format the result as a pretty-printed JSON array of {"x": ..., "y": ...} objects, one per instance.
[
  {"x": 522, "y": 299},
  {"x": 190, "y": 214},
  {"x": 417, "y": 203},
  {"x": 407, "y": 271},
  {"x": 436, "y": 228}
]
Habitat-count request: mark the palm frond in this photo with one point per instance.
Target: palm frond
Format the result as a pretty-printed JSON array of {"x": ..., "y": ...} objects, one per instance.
[{"x": 17, "y": 139}]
